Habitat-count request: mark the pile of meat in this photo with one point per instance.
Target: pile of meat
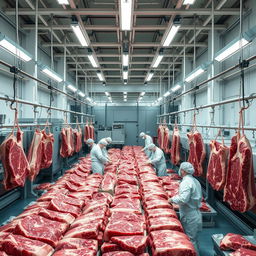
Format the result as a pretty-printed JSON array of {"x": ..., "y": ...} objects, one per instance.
[{"x": 238, "y": 244}]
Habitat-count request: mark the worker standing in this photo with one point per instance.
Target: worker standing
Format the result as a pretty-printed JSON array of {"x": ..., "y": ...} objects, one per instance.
[
  {"x": 148, "y": 141},
  {"x": 189, "y": 201},
  {"x": 157, "y": 159},
  {"x": 104, "y": 150},
  {"x": 90, "y": 143},
  {"x": 97, "y": 157}
]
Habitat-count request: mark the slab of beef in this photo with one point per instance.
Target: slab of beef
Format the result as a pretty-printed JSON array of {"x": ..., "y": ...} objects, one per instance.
[
  {"x": 109, "y": 247},
  {"x": 57, "y": 216},
  {"x": 87, "y": 133},
  {"x": 47, "y": 149},
  {"x": 235, "y": 241},
  {"x": 175, "y": 148},
  {"x": 243, "y": 252},
  {"x": 67, "y": 142},
  {"x": 42, "y": 229},
  {"x": 75, "y": 252},
  {"x": 196, "y": 151},
  {"x": 20, "y": 245},
  {"x": 35, "y": 154},
  {"x": 239, "y": 190},
  {"x": 133, "y": 244},
  {"x": 77, "y": 243},
  {"x": 14, "y": 160}
]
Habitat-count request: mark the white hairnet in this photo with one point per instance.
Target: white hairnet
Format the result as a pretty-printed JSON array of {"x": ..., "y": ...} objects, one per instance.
[
  {"x": 103, "y": 142},
  {"x": 89, "y": 141},
  {"x": 151, "y": 146},
  {"x": 108, "y": 139},
  {"x": 142, "y": 134},
  {"x": 187, "y": 167}
]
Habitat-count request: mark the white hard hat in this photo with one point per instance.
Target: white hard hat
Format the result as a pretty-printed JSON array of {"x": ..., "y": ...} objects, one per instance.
[
  {"x": 89, "y": 141},
  {"x": 151, "y": 146},
  {"x": 103, "y": 142},
  {"x": 142, "y": 134},
  {"x": 187, "y": 167},
  {"x": 108, "y": 139}
]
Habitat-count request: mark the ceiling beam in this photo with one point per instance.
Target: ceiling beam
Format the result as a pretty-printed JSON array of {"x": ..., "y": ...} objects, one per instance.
[
  {"x": 107, "y": 55},
  {"x": 134, "y": 45},
  {"x": 115, "y": 28},
  {"x": 130, "y": 76},
  {"x": 110, "y": 12},
  {"x": 120, "y": 63},
  {"x": 118, "y": 69}
]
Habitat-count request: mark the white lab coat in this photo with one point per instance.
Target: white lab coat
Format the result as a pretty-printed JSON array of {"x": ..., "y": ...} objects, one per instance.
[
  {"x": 189, "y": 201},
  {"x": 158, "y": 160},
  {"x": 148, "y": 141},
  {"x": 105, "y": 152},
  {"x": 98, "y": 159}
]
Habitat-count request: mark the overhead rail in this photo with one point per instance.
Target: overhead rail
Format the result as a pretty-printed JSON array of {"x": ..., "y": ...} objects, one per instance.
[
  {"x": 195, "y": 88},
  {"x": 49, "y": 86},
  {"x": 247, "y": 98},
  {"x": 211, "y": 126},
  {"x": 45, "y": 106}
]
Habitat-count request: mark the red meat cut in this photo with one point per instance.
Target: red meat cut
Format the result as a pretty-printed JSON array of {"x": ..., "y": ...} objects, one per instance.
[
  {"x": 133, "y": 244},
  {"x": 35, "y": 154},
  {"x": 118, "y": 253},
  {"x": 243, "y": 252},
  {"x": 166, "y": 140},
  {"x": 57, "y": 216},
  {"x": 47, "y": 149},
  {"x": 87, "y": 133},
  {"x": 77, "y": 243},
  {"x": 78, "y": 139},
  {"x": 108, "y": 182},
  {"x": 40, "y": 228},
  {"x": 196, "y": 151},
  {"x": 165, "y": 223},
  {"x": 20, "y": 245},
  {"x": 239, "y": 190},
  {"x": 172, "y": 243},
  {"x": 109, "y": 247},
  {"x": 16, "y": 166},
  {"x": 217, "y": 166},
  {"x": 67, "y": 142},
  {"x": 92, "y": 132},
  {"x": 75, "y": 252},
  {"x": 235, "y": 241},
  {"x": 175, "y": 148},
  {"x": 87, "y": 231}
]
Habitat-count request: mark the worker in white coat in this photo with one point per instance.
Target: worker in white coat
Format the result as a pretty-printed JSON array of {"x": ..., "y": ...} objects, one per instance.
[
  {"x": 157, "y": 159},
  {"x": 97, "y": 158},
  {"x": 104, "y": 150},
  {"x": 90, "y": 143},
  {"x": 148, "y": 141},
  {"x": 189, "y": 201}
]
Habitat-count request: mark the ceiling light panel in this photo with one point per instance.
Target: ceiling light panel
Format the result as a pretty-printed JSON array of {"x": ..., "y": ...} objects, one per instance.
[
  {"x": 125, "y": 59},
  {"x": 80, "y": 34},
  {"x": 197, "y": 72},
  {"x": 171, "y": 34},
  {"x": 66, "y": 2},
  {"x": 126, "y": 14},
  {"x": 92, "y": 58},
  {"x": 51, "y": 74}
]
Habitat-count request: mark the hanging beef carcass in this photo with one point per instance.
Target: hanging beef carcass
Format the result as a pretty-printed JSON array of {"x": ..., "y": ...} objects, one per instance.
[
  {"x": 67, "y": 142},
  {"x": 92, "y": 136},
  {"x": 47, "y": 150},
  {"x": 217, "y": 166},
  {"x": 166, "y": 140},
  {"x": 35, "y": 154},
  {"x": 77, "y": 139},
  {"x": 196, "y": 150},
  {"x": 175, "y": 148},
  {"x": 86, "y": 133},
  {"x": 15, "y": 163},
  {"x": 239, "y": 190}
]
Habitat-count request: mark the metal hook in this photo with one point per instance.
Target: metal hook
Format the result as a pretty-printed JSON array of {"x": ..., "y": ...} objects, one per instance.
[{"x": 11, "y": 106}]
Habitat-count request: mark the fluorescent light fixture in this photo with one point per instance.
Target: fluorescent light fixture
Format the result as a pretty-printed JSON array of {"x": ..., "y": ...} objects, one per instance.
[
  {"x": 89, "y": 99},
  {"x": 125, "y": 96},
  {"x": 142, "y": 93},
  {"x": 189, "y": 2},
  {"x": 126, "y": 14},
  {"x": 80, "y": 34},
  {"x": 149, "y": 76},
  {"x": 125, "y": 93},
  {"x": 14, "y": 49},
  {"x": 93, "y": 60},
  {"x": 157, "y": 60},
  {"x": 125, "y": 59},
  {"x": 125, "y": 99},
  {"x": 167, "y": 94},
  {"x": 107, "y": 94},
  {"x": 195, "y": 73},
  {"x": 63, "y": 2},
  {"x": 72, "y": 88},
  {"x": 176, "y": 87},
  {"x": 104, "y": 83},
  {"x": 81, "y": 94},
  {"x": 231, "y": 49},
  {"x": 171, "y": 34},
  {"x": 50, "y": 73},
  {"x": 145, "y": 83},
  {"x": 125, "y": 81},
  {"x": 125, "y": 74},
  {"x": 159, "y": 99},
  {"x": 140, "y": 98},
  {"x": 100, "y": 76}
]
